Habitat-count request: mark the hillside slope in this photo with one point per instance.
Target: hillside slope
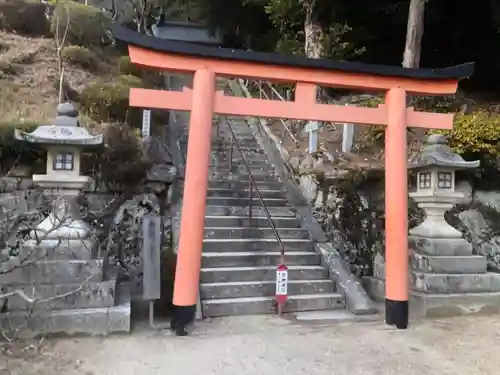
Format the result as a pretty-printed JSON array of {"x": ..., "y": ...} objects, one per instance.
[{"x": 29, "y": 78}]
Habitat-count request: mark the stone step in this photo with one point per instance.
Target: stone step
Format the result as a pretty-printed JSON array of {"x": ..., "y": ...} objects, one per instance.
[
  {"x": 255, "y": 222},
  {"x": 214, "y": 210},
  {"x": 246, "y": 145},
  {"x": 453, "y": 304},
  {"x": 63, "y": 296},
  {"x": 243, "y": 176},
  {"x": 223, "y": 162},
  {"x": 241, "y": 289},
  {"x": 243, "y": 139},
  {"x": 237, "y": 158},
  {"x": 240, "y": 169},
  {"x": 257, "y": 258},
  {"x": 245, "y": 193},
  {"x": 222, "y": 148},
  {"x": 436, "y": 283},
  {"x": 238, "y": 202},
  {"x": 242, "y": 185},
  {"x": 89, "y": 321},
  {"x": 54, "y": 272},
  {"x": 267, "y": 305},
  {"x": 266, "y": 273},
  {"x": 447, "y": 264},
  {"x": 253, "y": 244},
  {"x": 254, "y": 233}
]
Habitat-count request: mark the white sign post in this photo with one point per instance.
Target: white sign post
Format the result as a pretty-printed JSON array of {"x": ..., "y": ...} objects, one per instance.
[
  {"x": 347, "y": 137},
  {"x": 146, "y": 123},
  {"x": 281, "y": 286},
  {"x": 312, "y": 128}
]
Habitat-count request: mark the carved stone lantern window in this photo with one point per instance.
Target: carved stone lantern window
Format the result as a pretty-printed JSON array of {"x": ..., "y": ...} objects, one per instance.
[
  {"x": 424, "y": 180},
  {"x": 446, "y": 180},
  {"x": 63, "y": 161}
]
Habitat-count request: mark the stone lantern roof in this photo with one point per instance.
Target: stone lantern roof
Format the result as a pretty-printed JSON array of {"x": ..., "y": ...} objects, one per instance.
[
  {"x": 437, "y": 153},
  {"x": 66, "y": 130}
]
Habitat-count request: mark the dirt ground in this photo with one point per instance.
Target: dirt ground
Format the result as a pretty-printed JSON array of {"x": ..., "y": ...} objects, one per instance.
[{"x": 260, "y": 345}]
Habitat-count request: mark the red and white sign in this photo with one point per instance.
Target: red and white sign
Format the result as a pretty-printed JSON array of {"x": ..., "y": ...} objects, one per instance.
[{"x": 281, "y": 284}]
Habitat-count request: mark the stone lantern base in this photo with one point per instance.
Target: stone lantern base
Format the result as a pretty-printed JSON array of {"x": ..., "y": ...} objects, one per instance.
[{"x": 445, "y": 279}]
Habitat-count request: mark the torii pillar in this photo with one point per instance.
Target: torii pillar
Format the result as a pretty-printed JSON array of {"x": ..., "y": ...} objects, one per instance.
[{"x": 203, "y": 102}]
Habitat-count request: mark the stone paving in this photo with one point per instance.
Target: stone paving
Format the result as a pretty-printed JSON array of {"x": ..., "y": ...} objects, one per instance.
[{"x": 260, "y": 345}]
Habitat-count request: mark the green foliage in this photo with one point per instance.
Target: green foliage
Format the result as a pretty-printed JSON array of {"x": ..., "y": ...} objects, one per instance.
[
  {"x": 88, "y": 25},
  {"x": 108, "y": 101},
  {"x": 476, "y": 136},
  {"x": 474, "y": 133},
  {"x": 126, "y": 67},
  {"x": 81, "y": 56},
  {"x": 12, "y": 151},
  {"x": 7, "y": 69},
  {"x": 288, "y": 16},
  {"x": 121, "y": 162},
  {"x": 23, "y": 17}
]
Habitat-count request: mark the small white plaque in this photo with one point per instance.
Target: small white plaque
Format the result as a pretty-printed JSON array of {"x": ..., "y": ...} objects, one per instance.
[
  {"x": 312, "y": 126},
  {"x": 281, "y": 282},
  {"x": 146, "y": 123}
]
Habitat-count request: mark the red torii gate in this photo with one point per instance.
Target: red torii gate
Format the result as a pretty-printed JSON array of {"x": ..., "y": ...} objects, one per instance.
[{"x": 203, "y": 101}]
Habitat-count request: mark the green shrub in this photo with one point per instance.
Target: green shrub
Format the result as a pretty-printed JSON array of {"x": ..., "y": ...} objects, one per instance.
[
  {"x": 24, "y": 17},
  {"x": 476, "y": 136},
  {"x": 108, "y": 101},
  {"x": 87, "y": 25},
  {"x": 125, "y": 67},
  {"x": 12, "y": 151},
  {"x": 477, "y": 132},
  {"x": 121, "y": 161},
  {"x": 81, "y": 56},
  {"x": 8, "y": 69}
]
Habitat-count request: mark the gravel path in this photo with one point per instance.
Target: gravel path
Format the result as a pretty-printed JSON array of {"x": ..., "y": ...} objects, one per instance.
[{"x": 268, "y": 345}]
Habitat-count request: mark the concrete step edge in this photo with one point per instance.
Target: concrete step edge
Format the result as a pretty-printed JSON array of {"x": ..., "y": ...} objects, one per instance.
[
  {"x": 253, "y": 199},
  {"x": 454, "y": 295},
  {"x": 256, "y": 228},
  {"x": 284, "y": 240},
  {"x": 258, "y": 282},
  {"x": 258, "y": 299},
  {"x": 489, "y": 274},
  {"x": 451, "y": 257},
  {"x": 256, "y": 253},
  {"x": 259, "y": 268},
  {"x": 253, "y": 217},
  {"x": 245, "y": 191}
]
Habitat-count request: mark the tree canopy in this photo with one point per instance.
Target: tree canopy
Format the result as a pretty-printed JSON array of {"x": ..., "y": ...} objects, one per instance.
[{"x": 366, "y": 30}]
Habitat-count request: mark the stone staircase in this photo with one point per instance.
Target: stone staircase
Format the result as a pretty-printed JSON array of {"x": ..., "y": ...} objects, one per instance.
[{"x": 240, "y": 256}]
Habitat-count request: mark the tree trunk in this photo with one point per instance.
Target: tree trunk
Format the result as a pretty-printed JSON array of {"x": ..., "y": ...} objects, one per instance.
[
  {"x": 414, "y": 34},
  {"x": 313, "y": 31},
  {"x": 314, "y": 39}
]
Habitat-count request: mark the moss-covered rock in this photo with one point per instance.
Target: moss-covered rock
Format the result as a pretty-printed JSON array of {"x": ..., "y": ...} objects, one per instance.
[
  {"x": 87, "y": 25},
  {"x": 24, "y": 17},
  {"x": 82, "y": 57},
  {"x": 108, "y": 101}
]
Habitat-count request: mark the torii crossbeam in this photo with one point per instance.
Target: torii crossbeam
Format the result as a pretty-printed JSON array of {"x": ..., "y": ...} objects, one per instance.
[{"x": 203, "y": 101}]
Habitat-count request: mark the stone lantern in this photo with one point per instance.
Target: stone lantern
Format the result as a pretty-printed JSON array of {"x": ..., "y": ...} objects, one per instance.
[
  {"x": 445, "y": 277},
  {"x": 64, "y": 141},
  {"x": 435, "y": 167}
]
